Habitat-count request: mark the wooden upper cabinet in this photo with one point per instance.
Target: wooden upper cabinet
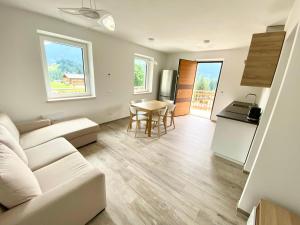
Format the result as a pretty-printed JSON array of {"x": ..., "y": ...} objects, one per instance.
[{"x": 262, "y": 59}]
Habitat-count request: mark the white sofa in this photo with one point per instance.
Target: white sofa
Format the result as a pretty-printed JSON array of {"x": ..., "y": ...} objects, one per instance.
[{"x": 72, "y": 190}]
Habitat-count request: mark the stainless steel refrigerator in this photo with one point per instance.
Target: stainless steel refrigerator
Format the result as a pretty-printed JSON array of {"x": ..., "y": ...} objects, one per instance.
[{"x": 167, "y": 85}]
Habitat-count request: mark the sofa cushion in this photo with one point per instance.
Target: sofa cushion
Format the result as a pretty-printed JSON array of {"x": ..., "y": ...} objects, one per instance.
[
  {"x": 17, "y": 182},
  {"x": 73, "y": 203},
  {"x": 67, "y": 129},
  {"x": 49, "y": 152},
  {"x": 62, "y": 171},
  {"x": 7, "y": 139},
  {"x": 10, "y": 126}
]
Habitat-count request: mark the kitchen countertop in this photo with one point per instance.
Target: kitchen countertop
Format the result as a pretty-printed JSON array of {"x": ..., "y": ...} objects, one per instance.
[{"x": 237, "y": 111}]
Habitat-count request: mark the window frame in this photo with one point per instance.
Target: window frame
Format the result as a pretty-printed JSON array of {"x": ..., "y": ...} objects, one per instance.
[
  {"x": 88, "y": 68},
  {"x": 148, "y": 76}
]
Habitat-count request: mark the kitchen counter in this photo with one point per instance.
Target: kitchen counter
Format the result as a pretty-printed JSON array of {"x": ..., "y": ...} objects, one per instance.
[{"x": 237, "y": 111}]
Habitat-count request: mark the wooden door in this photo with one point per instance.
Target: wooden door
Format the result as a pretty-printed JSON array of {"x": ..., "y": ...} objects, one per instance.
[
  {"x": 187, "y": 72},
  {"x": 262, "y": 59}
]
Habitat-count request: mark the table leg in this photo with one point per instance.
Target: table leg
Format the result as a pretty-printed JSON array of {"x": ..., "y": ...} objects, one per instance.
[{"x": 150, "y": 124}]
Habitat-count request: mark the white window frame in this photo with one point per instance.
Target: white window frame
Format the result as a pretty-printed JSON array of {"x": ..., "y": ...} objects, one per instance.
[
  {"x": 87, "y": 65},
  {"x": 149, "y": 74}
]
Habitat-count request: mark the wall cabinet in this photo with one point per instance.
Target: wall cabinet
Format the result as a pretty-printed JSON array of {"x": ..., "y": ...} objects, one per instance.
[{"x": 262, "y": 59}]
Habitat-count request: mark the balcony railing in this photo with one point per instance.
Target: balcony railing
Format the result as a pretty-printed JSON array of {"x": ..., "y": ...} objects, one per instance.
[{"x": 202, "y": 100}]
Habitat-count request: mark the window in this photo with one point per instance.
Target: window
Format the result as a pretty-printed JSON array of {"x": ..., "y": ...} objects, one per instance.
[
  {"x": 143, "y": 72},
  {"x": 68, "y": 67}
]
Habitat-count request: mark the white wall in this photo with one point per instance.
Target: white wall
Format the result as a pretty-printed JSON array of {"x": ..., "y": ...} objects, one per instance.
[
  {"x": 265, "y": 94},
  {"x": 268, "y": 100},
  {"x": 293, "y": 18},
  {"x": 22, "y": 90},
  {"x": 229, "y": 85},
  {"x": 275, "y": 174}
]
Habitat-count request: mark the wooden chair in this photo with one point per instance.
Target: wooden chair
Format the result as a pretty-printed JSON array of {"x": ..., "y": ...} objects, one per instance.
[
  {"x": 159, "y": 118},
  {"x": 137, "y": 118},
  {"x": 138, "y": 101},
  {"x": 170, "y": 114}
]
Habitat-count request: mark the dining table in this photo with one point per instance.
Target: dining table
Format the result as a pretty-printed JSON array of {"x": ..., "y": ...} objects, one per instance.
[{"x": 150, "y": 107}]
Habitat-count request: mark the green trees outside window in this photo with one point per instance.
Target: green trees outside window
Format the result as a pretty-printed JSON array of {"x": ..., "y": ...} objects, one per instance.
[{"x": 140, "y": 72}]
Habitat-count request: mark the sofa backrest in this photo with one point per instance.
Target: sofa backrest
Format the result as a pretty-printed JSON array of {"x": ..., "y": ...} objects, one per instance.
[
  {"x": 7, "y": 139},
  {"x": 10, "y": 126}
]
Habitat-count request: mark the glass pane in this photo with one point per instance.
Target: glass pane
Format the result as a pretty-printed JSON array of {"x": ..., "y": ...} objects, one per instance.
[
  {"x": 207, "y": 77},
  {"x": 140, "y": 71},
  {"x": 65, "y": 68}
]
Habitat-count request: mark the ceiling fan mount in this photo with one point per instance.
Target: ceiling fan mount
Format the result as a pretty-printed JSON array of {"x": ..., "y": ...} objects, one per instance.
[{"x": 103, "y": 17}]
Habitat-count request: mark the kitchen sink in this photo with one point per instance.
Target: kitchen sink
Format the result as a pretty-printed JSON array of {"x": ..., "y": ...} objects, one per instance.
[
  {"x": 240, "y": 105},
  {"x": 239, "y": 108}
]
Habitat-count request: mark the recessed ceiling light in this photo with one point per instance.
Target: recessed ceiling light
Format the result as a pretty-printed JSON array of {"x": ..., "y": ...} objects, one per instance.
[{"x": 151, "y": 39}]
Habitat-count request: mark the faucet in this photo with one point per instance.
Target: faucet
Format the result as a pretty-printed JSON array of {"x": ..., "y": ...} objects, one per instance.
[{"x": 251, "y": 94}]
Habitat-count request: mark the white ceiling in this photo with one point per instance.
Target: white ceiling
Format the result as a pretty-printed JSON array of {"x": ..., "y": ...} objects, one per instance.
[{"x": 177, "y": 25}]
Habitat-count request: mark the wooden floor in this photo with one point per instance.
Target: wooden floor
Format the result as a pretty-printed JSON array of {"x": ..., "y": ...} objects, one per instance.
[{"x": 171, "y": 180}]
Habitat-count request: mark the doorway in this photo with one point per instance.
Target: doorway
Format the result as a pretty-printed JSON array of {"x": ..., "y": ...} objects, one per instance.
[{"x": 205, "y": 88}]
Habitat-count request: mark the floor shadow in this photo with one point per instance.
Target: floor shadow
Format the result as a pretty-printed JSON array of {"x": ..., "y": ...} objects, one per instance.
[{"x": 103, "y": 218}]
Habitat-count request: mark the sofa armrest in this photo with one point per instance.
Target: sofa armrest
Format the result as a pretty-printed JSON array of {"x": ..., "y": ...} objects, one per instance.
[
  {"x": 74, "y": 202},
  {"x": 25, "y": 127}
]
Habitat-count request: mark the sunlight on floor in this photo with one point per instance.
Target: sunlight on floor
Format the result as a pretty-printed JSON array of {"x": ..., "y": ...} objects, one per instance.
[{"x": 202, "y": 113}]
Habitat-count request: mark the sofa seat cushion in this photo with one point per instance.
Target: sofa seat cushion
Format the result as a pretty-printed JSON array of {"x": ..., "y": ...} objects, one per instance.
[
  {"x": 17, "y": 182},
  {"x": 62, "y": 171},
  {"x": 49, "y": 152},
  {"x": 68, "y": 129}
]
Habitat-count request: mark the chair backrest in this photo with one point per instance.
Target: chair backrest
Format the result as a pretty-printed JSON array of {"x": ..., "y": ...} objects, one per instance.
[
  {"x": 168, "y": 101},
  {"x": 163, "y": 112},
  {"x": 137, "y": 101},
  {"x": 171, "y": 107},
  {"x": 133, "y": 110}
]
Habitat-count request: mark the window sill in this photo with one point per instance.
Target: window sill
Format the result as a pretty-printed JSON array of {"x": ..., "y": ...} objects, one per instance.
[
  {"x": 71, "y": 98},
  {"x": 142, "y": 92}
]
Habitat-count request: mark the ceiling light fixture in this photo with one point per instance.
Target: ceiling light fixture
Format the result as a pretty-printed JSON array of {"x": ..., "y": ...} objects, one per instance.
[
  {"x": 103, "y": 17},
  {"x": 108, "y": 22}
]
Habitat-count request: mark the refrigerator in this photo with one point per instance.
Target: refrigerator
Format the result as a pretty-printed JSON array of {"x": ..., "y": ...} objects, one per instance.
[{"x": 167, "y": 85}]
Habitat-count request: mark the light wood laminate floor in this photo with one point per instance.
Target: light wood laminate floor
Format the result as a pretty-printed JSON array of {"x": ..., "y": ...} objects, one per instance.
[{"x": 174, "y": 180}]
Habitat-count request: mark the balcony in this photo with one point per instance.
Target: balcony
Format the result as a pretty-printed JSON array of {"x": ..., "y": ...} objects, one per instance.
[{"x": 202, "y": 103}]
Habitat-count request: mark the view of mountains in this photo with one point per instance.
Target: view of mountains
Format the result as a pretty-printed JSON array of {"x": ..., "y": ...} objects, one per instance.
[
  {"x": 63, "y": 59},
  {"x": 207, "y": 76},
  {"x": 56, "y": 52},
  {"x": 209, "y": 70}
]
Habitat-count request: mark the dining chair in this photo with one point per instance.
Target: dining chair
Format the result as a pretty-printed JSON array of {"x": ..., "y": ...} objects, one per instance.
[
  {"x": 168, "y": 101},
  {"x": 138, "y": 101},
  {"x": 170, "y": 113},
  {"x": 137, "y": 118},
  {"x": 159, "y": 118}
]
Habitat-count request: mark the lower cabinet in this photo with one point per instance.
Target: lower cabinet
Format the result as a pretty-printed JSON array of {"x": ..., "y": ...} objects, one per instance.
[{"x": 232, "y": 139}]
